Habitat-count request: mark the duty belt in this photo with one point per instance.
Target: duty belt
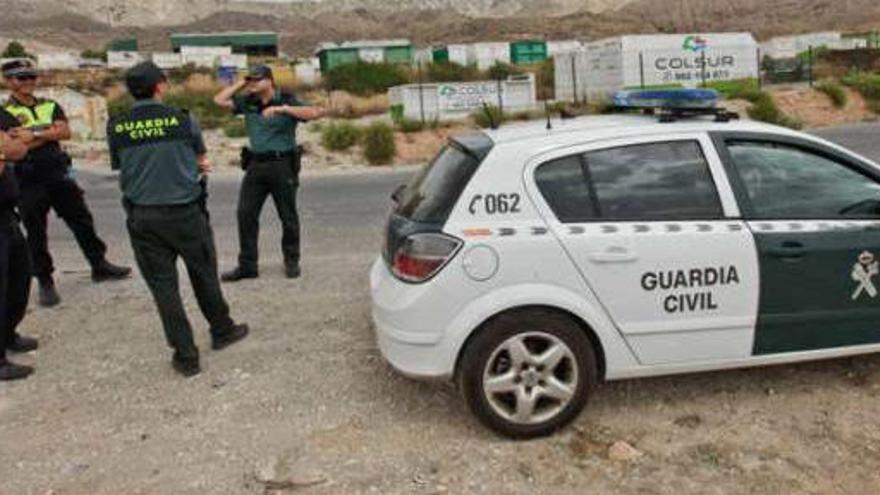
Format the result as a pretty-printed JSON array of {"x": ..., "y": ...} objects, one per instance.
[{"x": 272, "y": 156}]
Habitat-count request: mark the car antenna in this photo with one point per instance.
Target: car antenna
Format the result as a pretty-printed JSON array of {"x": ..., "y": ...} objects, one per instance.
[
  {"x": 547, "y": 112},
  {"x": 492, "y": 124}
]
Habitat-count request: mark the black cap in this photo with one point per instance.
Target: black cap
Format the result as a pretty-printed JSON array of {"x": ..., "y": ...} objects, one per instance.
[
  {"x": 259, "y": 72},
  {"x": 142, "y": 79},
  {"x": 19, "y": 68}
]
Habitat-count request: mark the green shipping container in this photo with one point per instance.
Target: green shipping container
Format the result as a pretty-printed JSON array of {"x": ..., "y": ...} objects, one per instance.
[
  {"x": 399, "y": 55},
  {"x": 440, "y": 55},
  {"x": 330, "y": 59},
  {"x": 123, "y": 45},
  {"x": 247, "y": 43},
  {"x": 528, "y": 52}
]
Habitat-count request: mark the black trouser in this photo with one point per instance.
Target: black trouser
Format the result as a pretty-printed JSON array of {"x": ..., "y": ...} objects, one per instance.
[
  {"x": 161, "y": 234},
  {"x": 15, "y": 280},
  {"x": 280, "y": 178},
  {"x": 68, "y": 200}
]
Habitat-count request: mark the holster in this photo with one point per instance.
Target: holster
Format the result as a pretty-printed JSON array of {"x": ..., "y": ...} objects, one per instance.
[{"x": 246, "y": 157}]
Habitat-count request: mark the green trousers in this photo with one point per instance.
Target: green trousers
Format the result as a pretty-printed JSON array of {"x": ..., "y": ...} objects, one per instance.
[{"x": 161, "y": 234}]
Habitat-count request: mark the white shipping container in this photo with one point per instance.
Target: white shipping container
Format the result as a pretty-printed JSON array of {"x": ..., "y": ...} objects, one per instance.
[
  {"x": 167, "y": 61},
  {"x": 308, "y": 72},
  {"x": 610, "y": 65},
  {"x": 58, "y": 61},
  {"x": 123, "y": 60},
  {"x": 485, "y": 55},
  {"x": 218, "y": 51},
  {"x": 234, "y": 60},
  {"x": 450, "y": 101},
  {"x": 557, "y": 47},
  {"x": 791, "y": 46},
  {"x": 459, "y": 54}
]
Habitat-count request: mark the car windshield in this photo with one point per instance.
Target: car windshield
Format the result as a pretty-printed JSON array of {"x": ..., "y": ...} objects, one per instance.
[{"x": 432, "y": 194}]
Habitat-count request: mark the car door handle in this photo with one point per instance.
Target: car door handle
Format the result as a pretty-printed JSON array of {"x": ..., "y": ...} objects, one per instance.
[
  {"x": 788, "y": 250},
  {"x": 613, "y": 254}
]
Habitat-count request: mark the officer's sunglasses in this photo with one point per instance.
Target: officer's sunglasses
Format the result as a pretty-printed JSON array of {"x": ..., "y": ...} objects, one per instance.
[
  {"x": 254, "y": 79},
  {"x": 25, "y": 78}
]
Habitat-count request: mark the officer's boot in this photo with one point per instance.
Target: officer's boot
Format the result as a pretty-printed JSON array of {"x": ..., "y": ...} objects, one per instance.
[
  {"x": 11, "y": 371},
  {"x": 239, "y": 273},
  {"x": 48, "y": 296},
  {"x": 104, "y": 270}
]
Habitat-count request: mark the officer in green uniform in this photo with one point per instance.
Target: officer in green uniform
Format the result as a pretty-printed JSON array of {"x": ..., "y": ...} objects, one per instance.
[
  {"x": 161, "y": 155},
  {"x": 272, "y": 165},
  {"x": 46, "y": 183}
]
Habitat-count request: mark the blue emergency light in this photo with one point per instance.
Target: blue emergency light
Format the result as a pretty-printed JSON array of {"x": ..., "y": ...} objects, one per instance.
[
  {"x": 673, "y": 104},
  {"x": 666, "y": 98}
]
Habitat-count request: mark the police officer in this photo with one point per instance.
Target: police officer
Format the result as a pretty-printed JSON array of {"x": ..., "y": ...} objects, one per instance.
[
  {"x": 272, "y": 165},
  {"x": 160, "y": 154},
  {"x": 15, "y": 276},
  {"x": 46, "y": 183}
]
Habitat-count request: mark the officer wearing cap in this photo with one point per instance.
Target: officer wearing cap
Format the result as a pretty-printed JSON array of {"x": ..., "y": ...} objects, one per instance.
[
  {"x": 272, "y": 165},
  {"x": 15, "y": 276},
  {"x": 44, "y": 177},
  {"x": 160, "y": 154}
]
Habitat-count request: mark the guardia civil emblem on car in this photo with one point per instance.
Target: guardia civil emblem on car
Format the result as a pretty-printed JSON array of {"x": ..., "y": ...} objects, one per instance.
[
  {"x": 626, "y": 247},
  {"x": 863, "y": 273}
]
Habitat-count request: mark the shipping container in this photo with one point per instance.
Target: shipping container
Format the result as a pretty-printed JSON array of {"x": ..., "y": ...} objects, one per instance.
[
  {"x": 528, "y": 52},
  {"x": 557, "y": 47},
  {"x": 333, "y": 55},
  {"x": 123, "y": 45},
  {"x": 264, "y": 44},
  {"x": 486, "y": 55},
  {"x": 123, "y": 60},
  {"x": 167, "y": 61},
  {"x": 58, "y": 61},
  {"x": 646, "y": 61}
]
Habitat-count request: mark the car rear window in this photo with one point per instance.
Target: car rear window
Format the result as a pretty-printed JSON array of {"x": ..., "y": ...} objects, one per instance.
[{"x": 432, "y": 194}]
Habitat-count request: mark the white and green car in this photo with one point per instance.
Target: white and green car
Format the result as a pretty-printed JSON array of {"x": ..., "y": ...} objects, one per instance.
[{"x": 530, "y": 264}]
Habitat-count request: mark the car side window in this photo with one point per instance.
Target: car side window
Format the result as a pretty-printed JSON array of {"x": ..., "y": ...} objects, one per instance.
[
  {"x": 563, "y": 184},
  {"x": 784, "y": 182},
  {"x": 644, "y": 182}
]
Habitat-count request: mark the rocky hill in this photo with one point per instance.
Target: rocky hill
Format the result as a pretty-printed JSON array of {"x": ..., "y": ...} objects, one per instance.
[{"x": 304, "y": 23}]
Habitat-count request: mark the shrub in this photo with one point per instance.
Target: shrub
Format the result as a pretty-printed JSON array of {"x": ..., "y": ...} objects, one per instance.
[
  {"x": 834, "y": 92},
  {"x": 235, "y": 128},
  {"x": 740, "y": 89},
  {"x": 867, "y": 84},
  {"x": 379, "y": 145},
  {"x": 182, "y": 74},
  {"x": 119, "y": 105},
  {"x": 339, "y": 136},
  {"x": 409, "y": 126},
  {"x": 765, "y": 109},
  {"x": 451, "y": 72},
  {"x": 201, "y": 105},
  {"x": 501, "y": 71},
  {"x": 488, "y": 116},
  {"x": 365, "y": 79}
]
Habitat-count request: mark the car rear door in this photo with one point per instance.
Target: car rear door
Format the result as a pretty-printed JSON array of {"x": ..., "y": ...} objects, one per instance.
[
  {"x": 815, "y": 215},
  {"x": 652, "y": 225}
]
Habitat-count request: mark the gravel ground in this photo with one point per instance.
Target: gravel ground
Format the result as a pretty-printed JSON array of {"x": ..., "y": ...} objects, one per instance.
[{"x": 307, "y": 405}]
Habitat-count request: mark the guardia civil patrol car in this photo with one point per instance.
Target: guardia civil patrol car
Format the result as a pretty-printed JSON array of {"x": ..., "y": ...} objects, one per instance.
[{"x": 531, "y": 262}]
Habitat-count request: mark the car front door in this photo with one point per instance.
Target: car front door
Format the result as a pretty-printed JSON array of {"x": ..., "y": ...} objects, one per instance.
[
  {"x": 653, "y": 227},
  {"x": 815, "y": 214}
]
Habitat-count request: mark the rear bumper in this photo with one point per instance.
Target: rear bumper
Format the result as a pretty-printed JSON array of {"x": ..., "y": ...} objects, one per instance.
[{"x": 409, "y": 329}]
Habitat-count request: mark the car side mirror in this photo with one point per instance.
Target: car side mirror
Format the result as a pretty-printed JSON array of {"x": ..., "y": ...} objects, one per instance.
[{"x": 395, "y": 196}]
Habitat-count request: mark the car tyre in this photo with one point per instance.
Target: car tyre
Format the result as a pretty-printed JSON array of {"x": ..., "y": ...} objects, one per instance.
[{"x": 506, "y": 377}]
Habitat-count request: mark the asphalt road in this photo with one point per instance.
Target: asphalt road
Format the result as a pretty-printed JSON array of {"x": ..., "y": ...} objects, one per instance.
[{"x": 341, "y": 214}]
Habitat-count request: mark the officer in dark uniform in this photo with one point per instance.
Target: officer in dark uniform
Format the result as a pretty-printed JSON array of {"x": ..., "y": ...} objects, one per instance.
[
  {"x": 160, "y": 154},
  {"x": 272, "y": 165},
  {"x": 45, "y": 183},
  {"x": 15, "y": 276}
]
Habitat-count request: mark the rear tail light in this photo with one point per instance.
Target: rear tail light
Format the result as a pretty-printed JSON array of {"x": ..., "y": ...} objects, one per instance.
[{"x": 421, "y": 256}]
